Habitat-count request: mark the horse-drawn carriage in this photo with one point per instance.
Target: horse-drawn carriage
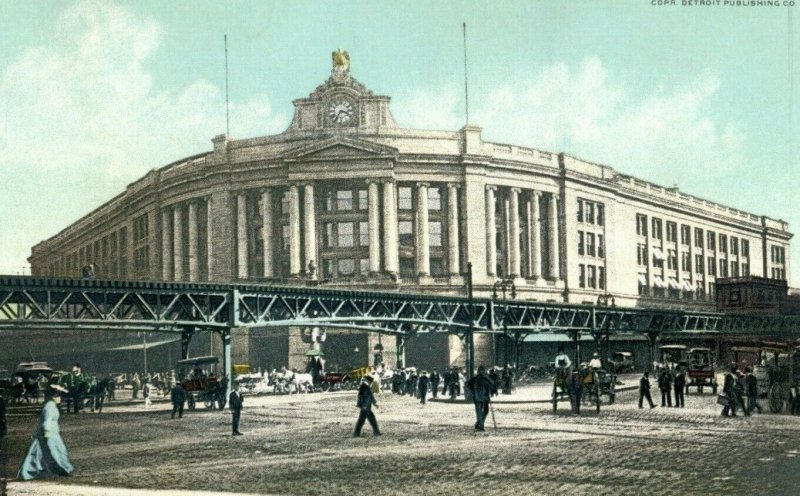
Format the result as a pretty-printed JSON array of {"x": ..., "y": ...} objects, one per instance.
[
  {"x": 199, "y": 381},
  {"x": 777, "y": 372},
  {"x": 698, "y": 363},
  {"x": 30, "y": 378},
  {"x": 580, "y": 384}
]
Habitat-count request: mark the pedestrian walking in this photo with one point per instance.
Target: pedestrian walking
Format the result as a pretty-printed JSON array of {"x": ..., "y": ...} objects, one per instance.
[
  {"x": 178, "y": 398},
  {"x": 435, "y": 379},
  {"x": 423, "y": 387},
  {"x": 495, "y": 379},
  {"x": 680, "y": 386},
  {"x": 136, "y": 384},
  {"x": 739, "y": 389},
  {"x": 47, "y": 455},
  {"x": 665, "y": 385},
  {"x": 729, "y": 410},
  {"x": 235, "y": 402},
  {"x": 644, "y": 390},
  {"x": 482, "y": 389},
  {"x": 452, "y": 385},
  {"x": 751, "y": 388},
  {"x": 364, "y": 403}
]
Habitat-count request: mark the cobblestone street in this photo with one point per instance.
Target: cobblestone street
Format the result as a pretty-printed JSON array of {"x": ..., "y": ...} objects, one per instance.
[{"x": 302, "y": 445}]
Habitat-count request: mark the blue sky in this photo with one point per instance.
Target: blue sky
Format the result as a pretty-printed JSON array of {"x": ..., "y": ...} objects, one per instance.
[{"x": 94, "y": 94}]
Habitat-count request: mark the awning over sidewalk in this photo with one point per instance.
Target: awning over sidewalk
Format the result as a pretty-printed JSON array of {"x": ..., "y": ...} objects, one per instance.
[{"x": 143, "y": 346}]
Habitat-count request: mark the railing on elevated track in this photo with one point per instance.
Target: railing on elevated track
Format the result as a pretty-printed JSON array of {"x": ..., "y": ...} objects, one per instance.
[{"x": 37, "y": 302}]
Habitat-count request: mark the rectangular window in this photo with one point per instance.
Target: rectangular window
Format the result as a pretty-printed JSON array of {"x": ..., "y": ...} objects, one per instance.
[
  {"x": 141, "y": 229},
  {"x": 641, "y": 225},
  {"x": 745, "y": 248},
  {"x": 363, "y": 266},
  {"x": 435, "y": 234},
  {"x": 698, "y": 237},
  {"x": 327, "y": 268},
  {"x": 601, "y": 248},
  {"x": 745, "y": 269},
  {"x": 363, "y": 199},
  {"x": 581, "y": 276},
  {"x": 346, "y": 267},
  {"x": 686, "y": 262},
  {"x": 363, "y": 233},
  {"x": 580, "y": 243},
  {"x": 344, "y": 235},
  {"x": 601, "y": 277},
  {"x": 406, "y": 232},
  {"x": 641, "y": 254},
  {"x": 601, "y": 221},
  {"x": 711, "y": 291},
  {"x": 734, "y": 269},
  {"x": 437, "y": 267},
  {"x": 711, "y": 240},
  {"x": 591, "y": 279},
  {"x": 698, "y": 264},
  {"x": 407, "y": 267},
  {"x": 344, "y": 200},
  {"x": 734, "y": 246},
  {"x": 141, "y": 260},
  {"x": 590, "y": 244},
  {"x": 329, "y": 206},
  {"x": 434, "y": 199},
  {"x": 656, "y": 233},
  {"x": 580, "y": 210},
  {"x": 712, "y": 266},
  {"x": 672, "y": 232},
  {"x": 723, "y": 268},
  {"x": 723, "y": 243},
  {"x": 589, "y": 213},
  {"x": 404, "y": 198},
  {"x": 672, "y": 260},
  {"x": 686, "y": 232}
]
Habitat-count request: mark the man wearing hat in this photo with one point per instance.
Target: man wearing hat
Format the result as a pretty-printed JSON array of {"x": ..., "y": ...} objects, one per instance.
[
  {"x": 235, "y": 402},
  {"x": 47, "y": 455},
  {"x": 482, "y": 389},
  {"x": 595, "y": 362},
  {"x": 364, "y": 403}
]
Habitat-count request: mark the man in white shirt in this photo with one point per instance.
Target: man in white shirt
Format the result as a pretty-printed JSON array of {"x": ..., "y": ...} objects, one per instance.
[
  {"x": 562, "y": 361},
  {"x": 595, "y": 362}
]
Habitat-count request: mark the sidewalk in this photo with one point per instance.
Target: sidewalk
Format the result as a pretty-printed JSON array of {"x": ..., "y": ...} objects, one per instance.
[{"x": 540, "y": 392}]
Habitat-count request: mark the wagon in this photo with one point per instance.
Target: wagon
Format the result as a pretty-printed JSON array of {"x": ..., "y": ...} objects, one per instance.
[
  {"x": 575, "y": 386},
  {"x": 700, "y": 370},
  {"x": 782, "y": 367},
  {"x": 198, "y": 380}
]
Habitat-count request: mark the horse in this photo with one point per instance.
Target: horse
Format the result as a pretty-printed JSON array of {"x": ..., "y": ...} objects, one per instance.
[{"x": 97, "y": 394}]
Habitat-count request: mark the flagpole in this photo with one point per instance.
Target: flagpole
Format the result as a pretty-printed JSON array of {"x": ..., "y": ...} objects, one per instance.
[
  {"x": 466, "y": 88},
  {"x": 227, "y": 104}
]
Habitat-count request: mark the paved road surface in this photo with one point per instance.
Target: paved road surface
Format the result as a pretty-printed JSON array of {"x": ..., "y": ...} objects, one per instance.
[{"x": 302, "y": 445}]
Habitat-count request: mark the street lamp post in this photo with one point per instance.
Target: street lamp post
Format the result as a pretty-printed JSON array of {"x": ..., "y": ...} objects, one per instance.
[{"x": 504, "y": 285}]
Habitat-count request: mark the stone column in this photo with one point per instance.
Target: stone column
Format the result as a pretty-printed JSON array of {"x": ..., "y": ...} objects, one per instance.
[
  {"x": 166, "y": 246},
  {"x": 241, "y": 236},
  {"x": 423, "y": 236},
  {"x": 453, "y": 259},
  {"x": 552, "y": 238},
  {"x": 193, "y": 260},
  {"x": 209, "y": 241},
  {"x": 374, "y": 229},
  {"x": 177, "y": 233},
  {"x": 534, "y": 235},
  {"x": 295, "y": 267},
  {"x": 266, "y": 231},
  {"x": 491, "y": 232},
  {"x": 310, "y": 227},
  {"x": 390, "y": 236},
  {"x": 516, "y": 266}
]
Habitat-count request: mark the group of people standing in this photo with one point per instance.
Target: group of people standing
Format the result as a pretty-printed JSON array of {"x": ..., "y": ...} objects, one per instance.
[{"x": 737, "y": 385}]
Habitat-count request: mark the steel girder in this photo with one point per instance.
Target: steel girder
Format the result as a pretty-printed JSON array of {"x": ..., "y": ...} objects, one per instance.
[{"x": 34, "y": 302}]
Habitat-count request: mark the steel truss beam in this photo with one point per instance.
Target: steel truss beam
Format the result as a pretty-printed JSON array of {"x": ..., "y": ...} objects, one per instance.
[{"x": 34, "y": 302}]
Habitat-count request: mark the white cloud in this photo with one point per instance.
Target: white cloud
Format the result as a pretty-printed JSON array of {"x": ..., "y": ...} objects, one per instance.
[
  {"x": 586, "y": 111},
  {"x": 87, "y": 99}
]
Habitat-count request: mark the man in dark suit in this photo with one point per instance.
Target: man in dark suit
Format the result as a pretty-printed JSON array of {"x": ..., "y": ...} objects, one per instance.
[
  {"x": 644, "y": 390},
  {"x": 178, "y": 398},
  {"x": 680, "y": 386},
  {"x": 751, "y": 386},
  {"x": 482, "y": 389},
  {"x": 422, "y": 386},
  {"x": 364, "y": 403},
  {"x": 235, "y": 404},
  {"x": 435, "y": 379},
  {"x": 728, "y": 389}
]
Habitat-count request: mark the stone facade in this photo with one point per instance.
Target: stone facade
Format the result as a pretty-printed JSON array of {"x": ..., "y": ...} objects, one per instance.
[{"x": 347, "y": 198}]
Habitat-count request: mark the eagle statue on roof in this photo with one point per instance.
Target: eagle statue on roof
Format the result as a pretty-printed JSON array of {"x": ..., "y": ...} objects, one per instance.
[{"x": 341, "y": 60}]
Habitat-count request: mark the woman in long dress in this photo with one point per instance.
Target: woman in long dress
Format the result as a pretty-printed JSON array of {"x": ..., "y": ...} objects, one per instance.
[{"x": 47, "y": 455}]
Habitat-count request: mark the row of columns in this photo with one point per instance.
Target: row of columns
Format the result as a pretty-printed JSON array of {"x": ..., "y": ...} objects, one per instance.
[
  {"x": 301, "y": 254},
  {"x": 174, "y": 252},
  {"x": 533, "y": 237}
]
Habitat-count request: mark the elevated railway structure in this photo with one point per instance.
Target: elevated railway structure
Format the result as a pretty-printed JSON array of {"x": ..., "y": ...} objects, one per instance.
[{"x": 187, "y": 308}]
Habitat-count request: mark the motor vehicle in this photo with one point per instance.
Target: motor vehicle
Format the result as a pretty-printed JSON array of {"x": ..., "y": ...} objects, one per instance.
[{"x": 197, "y": 377}]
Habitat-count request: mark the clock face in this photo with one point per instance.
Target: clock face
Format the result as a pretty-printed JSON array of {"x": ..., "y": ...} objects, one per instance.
[{"x": 341, "y": 112}]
